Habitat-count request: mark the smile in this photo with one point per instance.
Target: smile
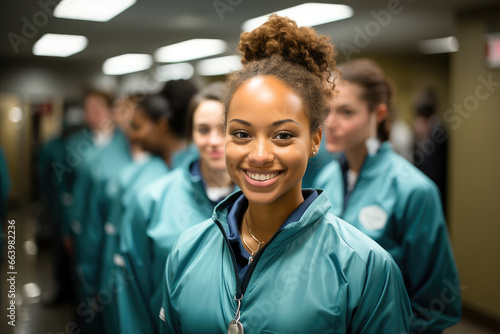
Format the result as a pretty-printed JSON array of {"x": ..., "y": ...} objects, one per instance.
[{"x": 261, "y": 176}]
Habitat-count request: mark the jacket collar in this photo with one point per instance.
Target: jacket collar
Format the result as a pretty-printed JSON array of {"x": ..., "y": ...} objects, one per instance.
[
  {"x": 316, "y": 210},
  {"x": 372, "y": 166},
  {"x": 192, "y": 172}
]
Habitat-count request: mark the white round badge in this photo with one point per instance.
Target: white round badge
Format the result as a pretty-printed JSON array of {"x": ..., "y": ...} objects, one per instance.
[{"x": 372, "y": 217}]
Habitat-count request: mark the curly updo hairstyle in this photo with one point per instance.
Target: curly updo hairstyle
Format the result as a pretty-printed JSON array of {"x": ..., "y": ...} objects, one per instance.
[{"x": 298, "y": 56}]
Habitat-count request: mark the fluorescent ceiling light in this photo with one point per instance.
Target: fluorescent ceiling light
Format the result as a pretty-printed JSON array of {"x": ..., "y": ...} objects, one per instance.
[
  {"x": 59, "y": 45},
  {"x": 174, "y": 72},
  {"x": 439, "y": 45},
  {"x": 218, "y": 66},
  {"x": 127, "y": 63},
  {"x": 91, "y": 10},
  {"x": 308, "y": 15},
  {"x": 191, "y": 49}
]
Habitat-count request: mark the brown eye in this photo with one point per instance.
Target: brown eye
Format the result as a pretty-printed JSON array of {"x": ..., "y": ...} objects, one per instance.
[
  {"x": 203, "y": 131},
  {"x": 284, "y": 135},
  {"x": 241, "y": 135}
]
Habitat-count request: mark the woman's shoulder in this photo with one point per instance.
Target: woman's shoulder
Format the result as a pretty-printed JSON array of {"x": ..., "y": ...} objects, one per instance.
[
  {"x": 325, "y": 175},
  {"x": 196, "y": 239},
  {"x": 152, "y": 193},
  {"x": 162, "y": 184},
  {"x": 406, "y": 177},
  {"x": 346, "y": 241}
]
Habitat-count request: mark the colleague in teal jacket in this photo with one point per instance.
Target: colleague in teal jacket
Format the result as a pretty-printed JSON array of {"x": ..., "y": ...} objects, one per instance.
[
  {"x": 107, "y": 162},
  {"x": 163, "y": 210},
  {"x": 97, "y": 154},
  {"x": 4, "y": 185},
  {"x": 273, "y": 259},
  {"x": 53, "y": 188},
  {"x": 387, "y": 198},
  {"x": 142, "y": 172},
  {"x": 119, "y": 192},
  {"x": 4, "y": 192}
]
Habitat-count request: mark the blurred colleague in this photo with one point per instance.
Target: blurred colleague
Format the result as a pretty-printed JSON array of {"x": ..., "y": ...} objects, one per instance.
[
  {"x": 272, "y": 259},
  {"x": 105, "y": 168},
  {"x": 54, "y": 181},
  {"x": 4, "y": 192},
  {"x": 430, "y": 153},
  {"x": 387, "y": 198},
  {"x": 95, "y": 155},
  {"x": 181, "y": 199},
  {"x": 145, "y": 168}
]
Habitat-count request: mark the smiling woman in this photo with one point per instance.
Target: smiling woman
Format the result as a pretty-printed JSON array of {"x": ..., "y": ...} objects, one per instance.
[{"x": 272, "y": 258}]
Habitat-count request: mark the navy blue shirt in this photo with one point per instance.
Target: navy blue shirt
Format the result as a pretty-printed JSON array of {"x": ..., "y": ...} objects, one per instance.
[{"x": 236, "y": 215}]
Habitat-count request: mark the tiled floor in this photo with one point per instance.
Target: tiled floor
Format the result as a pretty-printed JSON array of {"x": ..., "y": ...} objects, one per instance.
[
  {"x": 34, "y": 278},
  {"x": 467, "y": 327}
]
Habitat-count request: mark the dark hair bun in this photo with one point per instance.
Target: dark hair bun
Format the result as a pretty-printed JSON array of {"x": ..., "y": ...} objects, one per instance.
[{"x": 298, "y": 45}]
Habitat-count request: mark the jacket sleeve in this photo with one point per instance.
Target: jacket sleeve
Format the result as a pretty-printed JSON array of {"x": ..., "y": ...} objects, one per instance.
[
  {"x": 429, "y": 269},
  {"x": 383, "y": 305},
  {"x": 133, "y": 306},
  {"x": 170, "y": 319}
]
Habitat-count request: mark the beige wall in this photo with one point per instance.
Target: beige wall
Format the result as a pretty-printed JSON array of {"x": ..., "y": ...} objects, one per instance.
[
  {"x": 18, "y": 142},
  {"x": 15, "y": 140},
  {"x": 474, "y": 205}
]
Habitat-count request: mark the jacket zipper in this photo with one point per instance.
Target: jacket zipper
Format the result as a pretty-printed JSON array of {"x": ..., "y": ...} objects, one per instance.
[{"x": 241, "y": 287}]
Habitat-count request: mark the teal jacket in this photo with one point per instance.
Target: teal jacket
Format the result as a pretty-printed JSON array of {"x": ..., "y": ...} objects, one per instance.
[
  {"x": 4, "y": 187},
  {"x": 70, "y": 172},
  {"x": 50, "y": 186},
  {"x": 133, "y": 178},
  {"x": 161, "y": 213},
  {"x": 399, "y": 207},
  {"x": 318, "y": 275},
  {"x": 4, "y": 192},
  {"x": 88, "y": 224}
]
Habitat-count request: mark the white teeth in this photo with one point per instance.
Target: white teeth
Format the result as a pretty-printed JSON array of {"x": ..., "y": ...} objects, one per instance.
[{"x": 261, "y": 177}]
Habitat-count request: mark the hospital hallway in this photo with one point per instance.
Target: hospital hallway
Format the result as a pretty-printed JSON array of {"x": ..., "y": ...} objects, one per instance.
[{"x": 34, "y": 281}]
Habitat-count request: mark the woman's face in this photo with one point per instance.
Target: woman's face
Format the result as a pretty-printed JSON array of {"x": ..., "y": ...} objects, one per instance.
[
  {"x": 145, "y": 132},
  {"x": 97, "y": 112},
  {"x": 347, "y": 127},
  {"x": 123, "y": 111},
  {"x": 207, "y": 136},
  {"x": 268, "y": 140}
]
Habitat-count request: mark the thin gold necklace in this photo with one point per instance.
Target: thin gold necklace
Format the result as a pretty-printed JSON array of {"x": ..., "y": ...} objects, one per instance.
[{"x": 250, "y": 259}]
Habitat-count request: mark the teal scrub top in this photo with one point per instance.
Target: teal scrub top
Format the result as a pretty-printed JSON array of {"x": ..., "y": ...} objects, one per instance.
[
  {"x": 4, "y": 187},
  {"x": 399, "y": 207},
  {"x": 133, "y": 178},
  {"x": 161, "y": 213},
  {"x": 70, "y": 171},
  {"x": 317, "y": 275},
  {"x": 105, "y": 163},
  {"x": 52, "y": 185},
  {"x": 4, "y": 192}
]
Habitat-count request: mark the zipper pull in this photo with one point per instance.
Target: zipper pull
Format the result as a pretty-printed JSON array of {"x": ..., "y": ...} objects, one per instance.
[{"x": 235, "y": 326}]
